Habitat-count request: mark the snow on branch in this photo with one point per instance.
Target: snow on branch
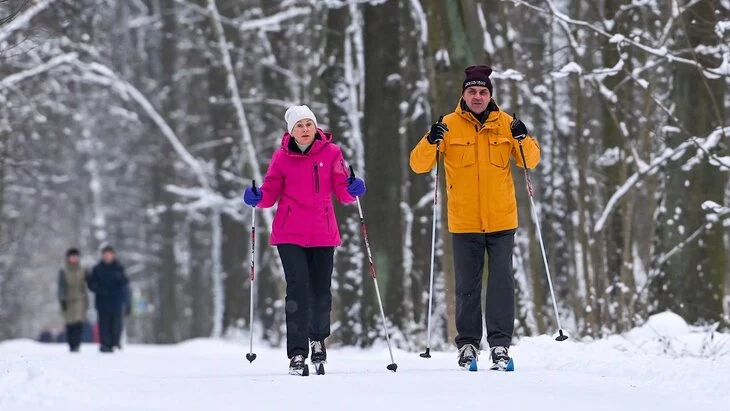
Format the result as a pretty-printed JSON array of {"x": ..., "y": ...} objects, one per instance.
[
  {"x": 15, "y": 78},
  {"x": 204, "y": 199},
  {"x": 268, "y": 23},
  {"x": 662, "y": 259},
  {"x": 668, "y": 155},
  {"x": 232, "y": 83},
  {"x": 336, "y": 4},
  {"x": 103, "y": 75},
  {"x": 284, "y": 104},
  {"x": 354, "y": 78},
  {"x": 22, "y": 19},
  {"x": 723, "y": 70},
  {"x": 274, "y": 21},
  {"x": 715, "y": 213},
  {"x": 704, "y": 146},
  {"x": 247, "y": 145},
  {"x": 421, "y": 20}
]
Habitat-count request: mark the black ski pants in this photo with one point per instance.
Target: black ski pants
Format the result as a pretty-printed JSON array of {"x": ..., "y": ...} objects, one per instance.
[
  {"x": 308, "y": 272},
  {"x": 110, "y": 328},
  {"x": 500, "y": 301},
  {"x": 73, "y": 335}
]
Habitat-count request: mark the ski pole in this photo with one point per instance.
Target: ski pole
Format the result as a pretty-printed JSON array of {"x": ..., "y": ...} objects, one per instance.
[
  {"x": 251, "y": 356},
  {"x": 427, "y": 353},
  {"x": 392, "y": 366},
  {"x": 561, "y": 336}
]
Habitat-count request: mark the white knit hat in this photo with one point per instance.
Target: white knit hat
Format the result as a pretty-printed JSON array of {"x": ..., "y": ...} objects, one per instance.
[{"x": 296, "y": 113}]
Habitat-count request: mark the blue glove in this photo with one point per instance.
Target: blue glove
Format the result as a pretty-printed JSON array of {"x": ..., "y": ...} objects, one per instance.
[
  {"x": 252, "y": 196},
  {"x": 356, "y": 187}
]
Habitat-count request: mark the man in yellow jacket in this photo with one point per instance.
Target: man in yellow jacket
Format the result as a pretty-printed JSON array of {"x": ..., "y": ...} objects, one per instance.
[{"x": 477, "y": 141}]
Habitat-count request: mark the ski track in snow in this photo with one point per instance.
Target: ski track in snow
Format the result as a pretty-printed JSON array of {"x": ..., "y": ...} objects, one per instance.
[{"x": 626, "y": 373}]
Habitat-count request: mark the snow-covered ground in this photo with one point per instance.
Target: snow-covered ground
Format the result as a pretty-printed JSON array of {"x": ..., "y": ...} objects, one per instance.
[{"x": 663, "y": 365}]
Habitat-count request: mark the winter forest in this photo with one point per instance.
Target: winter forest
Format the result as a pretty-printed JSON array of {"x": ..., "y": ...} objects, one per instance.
[{"x": 139, "y": 123}]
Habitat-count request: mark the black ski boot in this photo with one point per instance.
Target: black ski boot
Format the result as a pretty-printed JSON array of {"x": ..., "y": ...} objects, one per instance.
[
  {"x": 298, "y": 366},
  {"x": 468, "y": 354},
  {"x": 318, "y": 356}
]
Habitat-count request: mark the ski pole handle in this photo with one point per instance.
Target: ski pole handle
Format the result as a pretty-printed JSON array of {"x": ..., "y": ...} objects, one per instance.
[{"x": 351, "y": 178}]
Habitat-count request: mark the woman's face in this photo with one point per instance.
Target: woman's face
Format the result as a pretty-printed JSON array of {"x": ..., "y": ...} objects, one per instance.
[{"x": 304, "y": 131}]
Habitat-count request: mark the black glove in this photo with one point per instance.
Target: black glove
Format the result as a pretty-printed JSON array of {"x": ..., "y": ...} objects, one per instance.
[
  {"x": 518, "y": 128},
  {"x": 64, "y": 306},
  {"x": 436, "y": 135}
]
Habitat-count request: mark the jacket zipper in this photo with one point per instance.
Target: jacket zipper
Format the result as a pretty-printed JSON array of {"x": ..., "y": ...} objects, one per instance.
[{"x": 316, "y": 177}]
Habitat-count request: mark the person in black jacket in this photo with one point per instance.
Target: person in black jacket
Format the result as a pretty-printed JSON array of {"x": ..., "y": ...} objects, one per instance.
[{"x": 110, "y": 285}]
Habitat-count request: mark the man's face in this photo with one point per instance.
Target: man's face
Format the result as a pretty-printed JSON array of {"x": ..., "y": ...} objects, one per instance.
[
  {"x": 477, "y": 98},
  {"x": 107, "y": 256},
  {"x": 73, "y": 259}
]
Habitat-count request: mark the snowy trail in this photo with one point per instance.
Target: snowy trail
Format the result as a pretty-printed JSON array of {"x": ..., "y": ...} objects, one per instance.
[
  {"x": 663, "y": 365},
  {"x": 612, "y": 374}
]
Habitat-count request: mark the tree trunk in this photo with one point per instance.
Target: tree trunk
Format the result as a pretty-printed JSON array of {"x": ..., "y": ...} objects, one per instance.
[
  {"x": 342, "y": 106},
  {"x": 167, "y": 329},
  {"x": 695, "y": 275},
  {"x": 382, "y": 100}
]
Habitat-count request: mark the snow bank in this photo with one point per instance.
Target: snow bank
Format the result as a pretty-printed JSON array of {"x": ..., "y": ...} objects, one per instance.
[
  {"x": 664, "y": 325},
  {"x": 668, "y": 335}
]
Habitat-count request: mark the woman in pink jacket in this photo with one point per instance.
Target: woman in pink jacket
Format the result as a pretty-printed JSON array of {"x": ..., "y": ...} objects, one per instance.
[{"x": 303, "y": 175}]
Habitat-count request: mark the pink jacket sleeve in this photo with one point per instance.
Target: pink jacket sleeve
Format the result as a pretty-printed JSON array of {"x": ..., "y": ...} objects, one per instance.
[
  {"x": 273, "y": 182},
  {"x": 340, "y": 173}
]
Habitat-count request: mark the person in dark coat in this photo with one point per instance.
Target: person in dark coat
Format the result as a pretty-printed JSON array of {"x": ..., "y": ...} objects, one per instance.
[
  {"x": 73, "y": 298},
  {"x": 110, "y": 285}
]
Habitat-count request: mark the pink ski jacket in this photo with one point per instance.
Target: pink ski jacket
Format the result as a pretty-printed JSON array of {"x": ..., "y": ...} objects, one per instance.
[{"x": 304, "y": 184}]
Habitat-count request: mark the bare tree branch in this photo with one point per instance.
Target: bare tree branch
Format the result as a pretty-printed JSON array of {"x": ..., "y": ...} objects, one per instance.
[
  {"x": 667, "y": 156},
  {"x": 20, "y": 16}
]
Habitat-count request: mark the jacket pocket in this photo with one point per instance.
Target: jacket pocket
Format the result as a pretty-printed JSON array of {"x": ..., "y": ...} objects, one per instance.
[
  {"x": 461, "y": 152},
  {"x": 286, "y": 218},
  {"x": 329, "y": 219},
  {"x": 500, "y": 150}
]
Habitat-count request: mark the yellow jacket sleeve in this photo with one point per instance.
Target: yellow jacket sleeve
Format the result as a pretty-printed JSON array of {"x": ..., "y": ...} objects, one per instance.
[
  {"x": 531, "y": 149},
  {"x": 423, "y": 156}
]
